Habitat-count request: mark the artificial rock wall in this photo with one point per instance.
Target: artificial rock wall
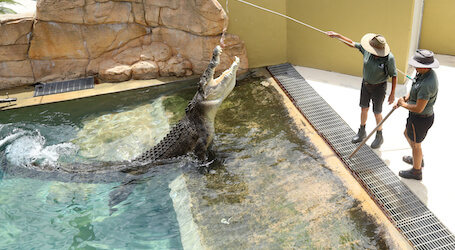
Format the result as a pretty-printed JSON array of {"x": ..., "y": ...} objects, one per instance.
[{"x": 115, "y": 40}]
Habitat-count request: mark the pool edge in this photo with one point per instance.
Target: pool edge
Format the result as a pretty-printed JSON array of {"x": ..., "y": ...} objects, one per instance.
[
  {"x": 398, "y": 241},
  {"x": 399, "y": 204}
]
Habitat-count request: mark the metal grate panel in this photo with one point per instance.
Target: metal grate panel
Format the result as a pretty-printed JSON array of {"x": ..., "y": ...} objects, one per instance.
[
  {"x": 62, "y": 87},
  {"x": 403, "y": 208}
]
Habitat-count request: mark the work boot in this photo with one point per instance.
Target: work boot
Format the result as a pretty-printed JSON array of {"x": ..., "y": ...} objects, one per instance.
[
  {"x": 411, "y": 174},
  {"x": 360, "y": 135},
  {"x": 408, "y": 160},
  {"x": 378, "y": 140}
]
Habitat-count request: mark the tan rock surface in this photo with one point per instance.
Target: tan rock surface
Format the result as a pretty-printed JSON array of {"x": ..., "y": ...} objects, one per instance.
[
  {"x": 53, "y": 40},
  {"x": 106, "y": 37},
  {"x": 15, "y": 73},
  {"x": 65, "y": 11},
  {"x": 118, "y": 73},
  {"x": 115, "y": 40},
  {"x": 176, "y": 66},
  {"x": 15, "y": 29},
  {"x": 16, "y": 69},
  {"x": 15, "y": 52},
  {"x": 59, "y": 69},
  {"x": 198, "y": 49},
  {"x": 145, "y": 70},
  {"x": 207, "y": 19}
]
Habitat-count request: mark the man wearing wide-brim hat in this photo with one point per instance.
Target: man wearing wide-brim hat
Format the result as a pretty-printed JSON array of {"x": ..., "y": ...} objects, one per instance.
[
  {"x": 419, "y": 102},
  {"x": 378, "y": 66}
]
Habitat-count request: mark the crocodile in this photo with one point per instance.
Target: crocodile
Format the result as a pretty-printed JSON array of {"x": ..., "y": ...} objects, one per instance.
[
  {"x": 195, "y": 131},
  {"x": 191, "y": 135}
]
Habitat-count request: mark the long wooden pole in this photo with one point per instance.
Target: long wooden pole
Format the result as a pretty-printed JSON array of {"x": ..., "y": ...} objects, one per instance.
[
  {"x": 372, "y": 132},
  {"x": 299, "y": 22}
]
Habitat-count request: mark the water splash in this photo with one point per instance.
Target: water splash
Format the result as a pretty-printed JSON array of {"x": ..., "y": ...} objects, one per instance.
[
  {"x": 11, "y": 137},
  {"x": 29, "y": 148}
]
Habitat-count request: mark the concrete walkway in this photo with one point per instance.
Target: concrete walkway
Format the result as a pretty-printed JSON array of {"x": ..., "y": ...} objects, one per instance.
[{"x": 437, "y": 189}]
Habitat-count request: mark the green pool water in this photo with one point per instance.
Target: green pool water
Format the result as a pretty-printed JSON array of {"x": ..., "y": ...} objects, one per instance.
[{"x": 267, "y": 187}]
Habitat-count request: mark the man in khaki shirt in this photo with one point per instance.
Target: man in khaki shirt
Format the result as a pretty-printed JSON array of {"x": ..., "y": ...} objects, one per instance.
[
  {"x": 378, "y": 66},
  {"x": 419, "y": 102}
]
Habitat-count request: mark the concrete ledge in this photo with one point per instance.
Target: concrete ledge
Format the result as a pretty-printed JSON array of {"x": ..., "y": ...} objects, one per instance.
[
  {"x": 189, "y": 230},
  {"x": 25, "y": 96}
]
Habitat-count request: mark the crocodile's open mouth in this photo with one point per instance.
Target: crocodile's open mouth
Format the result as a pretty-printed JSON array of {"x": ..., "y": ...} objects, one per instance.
[{"x": 219, "y": 88}]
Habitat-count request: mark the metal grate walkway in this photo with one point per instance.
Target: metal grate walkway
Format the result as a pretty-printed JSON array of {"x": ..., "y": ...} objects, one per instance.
[
  {"x": 403, "y": 208},
  {"x": 62, "y": 87}
]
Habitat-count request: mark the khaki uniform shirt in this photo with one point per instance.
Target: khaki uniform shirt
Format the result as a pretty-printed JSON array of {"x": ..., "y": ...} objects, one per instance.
[
  {"x": 425, "y": 87},
  {"x": 377, "y": 69}
]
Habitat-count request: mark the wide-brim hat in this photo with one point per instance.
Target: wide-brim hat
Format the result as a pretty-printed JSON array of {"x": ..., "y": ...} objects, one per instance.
[
  {"x": 424, "y": 59},
  {"x": 375, "y": 44}
]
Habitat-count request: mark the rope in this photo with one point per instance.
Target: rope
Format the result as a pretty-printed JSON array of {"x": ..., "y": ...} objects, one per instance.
[
  {"x": 299, "y": 22},
  {"x": 279, "y": 14},
  {"x": 289, "y": 18}
]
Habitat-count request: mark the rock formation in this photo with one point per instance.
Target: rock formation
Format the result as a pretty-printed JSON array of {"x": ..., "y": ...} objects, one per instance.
[{"x": 115, "y": 40}]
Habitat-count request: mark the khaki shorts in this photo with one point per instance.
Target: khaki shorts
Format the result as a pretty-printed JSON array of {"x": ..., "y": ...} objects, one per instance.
[
  {"x": 375, "y": 93},
  {"x": 417, "y": 127}
]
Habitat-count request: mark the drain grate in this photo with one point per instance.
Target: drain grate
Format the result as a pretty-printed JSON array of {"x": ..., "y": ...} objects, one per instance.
[
  {"x": 403, "y": 208},
  {"x": 65, "y": 86}
]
